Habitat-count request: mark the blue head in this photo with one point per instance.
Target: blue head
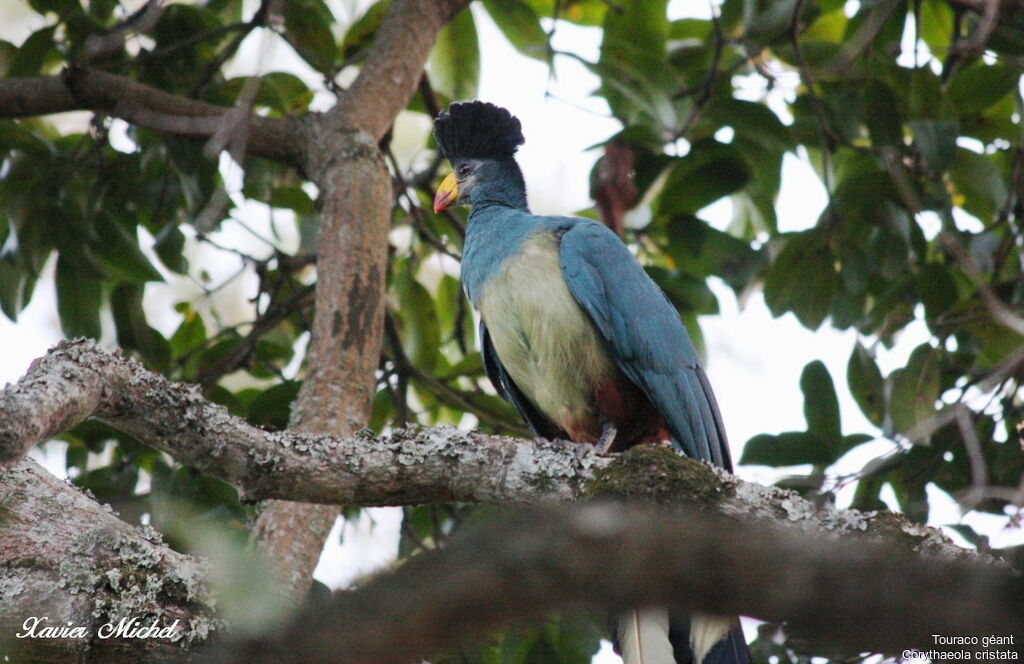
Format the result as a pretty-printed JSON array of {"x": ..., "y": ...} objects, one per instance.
[{"x": 480, "y": 140}]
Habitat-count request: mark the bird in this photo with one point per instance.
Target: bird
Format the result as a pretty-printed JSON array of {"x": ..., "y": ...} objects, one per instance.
[{"x": 585, "y": 346}]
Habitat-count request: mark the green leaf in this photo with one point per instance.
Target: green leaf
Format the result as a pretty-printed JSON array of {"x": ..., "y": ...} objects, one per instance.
[
  {"x": 308, "y": 24},
  {"x": 382, "y": 410},
  {"x": 8, "y": 51},
  {"x": 915, "y": 389},
  {"x": 710, "y": 171},
  {"x": 60, "y": 7},
  {"x": 790, "y": 448},
  {"x": 191, "y": 333},
  {"x": 453, "y": 310},
  {"x": 118, "y": 253},
  {"x": 803, "y": 279},
  {"x": 753, "y": 120},
  {"x": 110, "y": 483},
  {"x": 11, "y": 289},
  {"x": 455, "y": 60},
  {"x": 79, "y": 298},
  {"x": 169, "y": 246},
  {"x": 866, "y": 384},
  {"x": 828, "y": 27},
  {"x": 421, "y": 336},
  {"x": 702, "y": 251},
  {"x": 882, "y": 115},
  {"x": 292, "y": 197},
  {"x": 936, "y": 26},
  {"x": 974, "y": 89},
  {"x": 978, "y": 185},
  {"x": 133, "y": 331},
  {"x": 635, "y": 77},
  {"x": 936, "y": 140},
  {"x": 33, "y": 53},
  {"x": 1008, "y": 37},
  {"x": 470, "y": 365},
  {"x": 520, "y": 25},
  {"x": 580, "y": 12},
  {"x": 688, "y": 294},
  {"x": 12, "y": 276},
  {"x": 770, "y": 20},
  {"x": 360, "y": 34},
  {"x": 281, "y": 92},
  {"x": 821, "y": 406},
  {"x": 938, "y": 291},
  {"x": 102, "y": 9},
  {"x": 272, "y": 407},
  {"x": 636, "y": 33},
  {"x": 925, "y": 98},
  {"x": 861, "y": 184}
]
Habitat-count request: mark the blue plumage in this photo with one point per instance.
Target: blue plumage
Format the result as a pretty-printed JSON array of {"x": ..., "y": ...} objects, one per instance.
[{"x": 645, "y": 336}]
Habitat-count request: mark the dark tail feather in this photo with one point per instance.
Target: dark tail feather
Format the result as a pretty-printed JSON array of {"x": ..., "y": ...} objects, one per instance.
[{"x": 732, "y": 649}]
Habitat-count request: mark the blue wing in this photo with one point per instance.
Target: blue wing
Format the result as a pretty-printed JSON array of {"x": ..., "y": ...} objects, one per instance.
[{"x": 645, "y": 336}]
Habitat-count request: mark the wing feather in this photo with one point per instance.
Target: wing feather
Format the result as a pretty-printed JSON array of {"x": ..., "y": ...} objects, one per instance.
[{"x": 644, "y": 334}]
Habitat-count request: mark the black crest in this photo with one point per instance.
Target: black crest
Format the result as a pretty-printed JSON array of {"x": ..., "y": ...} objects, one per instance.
[{"x": 477, "y": 130}]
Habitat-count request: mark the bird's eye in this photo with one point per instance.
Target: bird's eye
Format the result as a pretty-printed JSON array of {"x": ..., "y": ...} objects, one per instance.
[{"x": 464, "y": 170}]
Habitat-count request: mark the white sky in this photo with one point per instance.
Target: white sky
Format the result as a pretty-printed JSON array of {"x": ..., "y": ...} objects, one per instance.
[{"x": 754, "y": 360}]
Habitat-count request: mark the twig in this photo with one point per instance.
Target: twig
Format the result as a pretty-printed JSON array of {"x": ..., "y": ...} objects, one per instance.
[
  {"x": 708, "y": 85},
  {"x": 416, "y": 212},
  {"x": 825, "y": 134},
  {"x": 440, "y": 389},
  {"x": 1000, "y": 312}
]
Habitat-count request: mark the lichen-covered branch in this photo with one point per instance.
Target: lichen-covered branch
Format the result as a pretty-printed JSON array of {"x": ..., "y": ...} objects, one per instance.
[
  {"x": 78, "y": 379},
  {"x": 516, "y": 566},
  {"x": 65, "y": 558}
]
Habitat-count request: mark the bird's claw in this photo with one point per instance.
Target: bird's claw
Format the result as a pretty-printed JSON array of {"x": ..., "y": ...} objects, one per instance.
[{"x": 607, "y": 439}]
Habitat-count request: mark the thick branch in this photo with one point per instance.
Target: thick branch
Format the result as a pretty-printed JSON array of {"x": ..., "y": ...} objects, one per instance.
[
  {"x": 342, "y": 158},
  {"x": 393, "y": 66},
  {"x": 89, "y": 89},
  {"x": 65, "y": 557},
  {"x": 78, "y": 379},
  {"x": 612, "y": 556}
]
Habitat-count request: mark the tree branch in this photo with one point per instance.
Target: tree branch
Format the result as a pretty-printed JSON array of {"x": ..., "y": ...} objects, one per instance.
[
  {"x": 393, "y": 66},
  {"x": 78, "y": 379},
  {"x": 65, "y": 557},
  {"x": 80, "y": 88},
  {"x": 611, "y": 556},
  {"x": 342, "y": 158}
]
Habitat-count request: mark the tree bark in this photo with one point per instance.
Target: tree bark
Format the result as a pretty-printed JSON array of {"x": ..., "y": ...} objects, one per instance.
[
  {"x": 342, "y": 159},
  {"x": 338, "y": 388},
  {"x": 66, "y": 558}
]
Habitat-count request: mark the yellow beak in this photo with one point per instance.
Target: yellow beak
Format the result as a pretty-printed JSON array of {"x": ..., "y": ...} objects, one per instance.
[{"x": 446, "y": 193}]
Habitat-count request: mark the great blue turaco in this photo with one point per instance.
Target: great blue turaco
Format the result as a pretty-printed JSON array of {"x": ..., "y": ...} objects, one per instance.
[{"x": 586, "y": 347}]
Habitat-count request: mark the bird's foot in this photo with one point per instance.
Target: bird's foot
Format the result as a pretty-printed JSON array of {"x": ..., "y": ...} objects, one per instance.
[{"x": 607, "y": 439}]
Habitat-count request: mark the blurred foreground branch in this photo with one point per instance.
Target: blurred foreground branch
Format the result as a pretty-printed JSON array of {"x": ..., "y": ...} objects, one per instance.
[{"x": 612, "y": 556}]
